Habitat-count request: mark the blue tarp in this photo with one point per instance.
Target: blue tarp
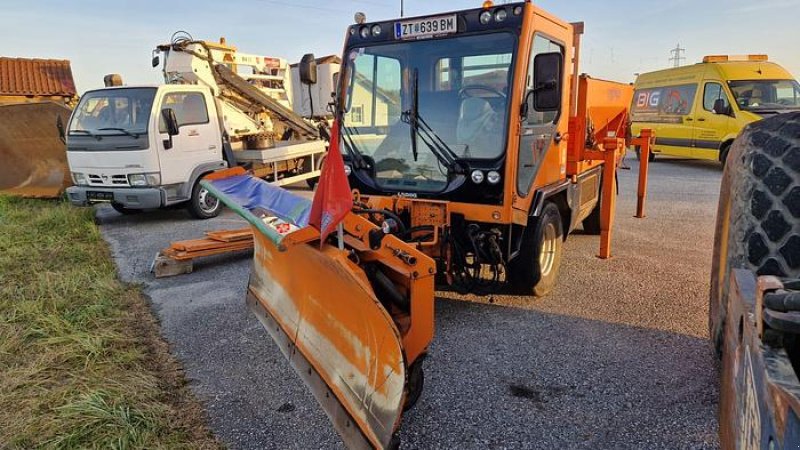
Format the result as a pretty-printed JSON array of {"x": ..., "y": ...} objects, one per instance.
[{"x": 252, "y": 193}]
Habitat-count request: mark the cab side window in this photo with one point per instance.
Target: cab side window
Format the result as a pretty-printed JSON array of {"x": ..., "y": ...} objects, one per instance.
[
  {"x": 190, "y": 109},
  {"x": 712, "y": 93},
  {"x": 540, "y": 45}
]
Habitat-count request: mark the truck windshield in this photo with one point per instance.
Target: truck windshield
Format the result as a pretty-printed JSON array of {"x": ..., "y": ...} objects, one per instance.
[
  {"x": 760, "y": 95},
  {"x": 461, "y": 85},
  {"x": 113, "y": 112}
]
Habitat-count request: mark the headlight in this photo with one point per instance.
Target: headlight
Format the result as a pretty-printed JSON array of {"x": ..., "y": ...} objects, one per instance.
[
  {"x": 477, "y": 176},
  {"x": 144, "y": 179},
  {"x": 493, "y": 177},
  {"x": 79, "y": 179},
  {"x": 364, "y": 32},
  {"x": 500, "y": 15},
  {"x": 376, "y": 30},
  {"x": 137, "y": 179},
  {"x": 347, "y": 170},
  {"x": 485, "y": 17}
]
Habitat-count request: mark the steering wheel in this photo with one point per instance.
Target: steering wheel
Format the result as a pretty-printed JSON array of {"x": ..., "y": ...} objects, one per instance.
[{"x": 462, "y": 93}]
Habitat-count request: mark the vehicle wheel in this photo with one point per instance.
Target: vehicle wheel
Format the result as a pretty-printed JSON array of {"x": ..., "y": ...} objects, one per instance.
[
  {"x": 723, "y": 154},
  {"x": 416, "y": 380},
  {"x": 203, "y": 205},
  {"x": 758, "y": 218},
  {"x": 535, "y": 269},
  {"x": 651, "y": 157},
  {"x": 123, "y": 210}
]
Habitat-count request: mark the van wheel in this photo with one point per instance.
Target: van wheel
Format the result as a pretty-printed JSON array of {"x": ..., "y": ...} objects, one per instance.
[
  {"x": 758, "y": 218},
  {"x": 123, "y": 210},
  {"x": 203, "y": 205},
  {"x": 651, "y": 157},
  {"x": 535, "y": 269},
  {"x": 723, "y": 153}
]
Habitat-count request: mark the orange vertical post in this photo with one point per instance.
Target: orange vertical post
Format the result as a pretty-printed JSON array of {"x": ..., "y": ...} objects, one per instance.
[
  {"x": 609, "y": 195},
  {"x": 643, "y": 141}
]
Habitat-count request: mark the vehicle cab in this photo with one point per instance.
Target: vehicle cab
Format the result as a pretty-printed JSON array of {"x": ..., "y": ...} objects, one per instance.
[{"x": 144, "y": 147}]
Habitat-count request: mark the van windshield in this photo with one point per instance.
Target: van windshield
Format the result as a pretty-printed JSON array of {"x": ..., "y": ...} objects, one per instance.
[
  {"x": 760, "y": 95},
  {"x": 113, "y": 112}
]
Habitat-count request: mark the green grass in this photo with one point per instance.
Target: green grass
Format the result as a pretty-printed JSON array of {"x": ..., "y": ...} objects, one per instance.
[{"x": 81, "y": 362}]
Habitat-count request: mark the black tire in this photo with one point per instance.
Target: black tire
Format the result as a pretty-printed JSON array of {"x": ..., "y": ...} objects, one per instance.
[
  {"x": 535, "y": 269},
  {"x": 416, "y": 381},
  {"x": 758, "y": 218},
  {"x": 123, "y": 210},
  {"x": 650, "y": 157},
  {"x": 723, "y": 154},
  {"x": 203, "y": 205}
]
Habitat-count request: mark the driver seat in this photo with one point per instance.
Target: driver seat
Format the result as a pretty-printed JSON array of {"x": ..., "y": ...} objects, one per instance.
[{"x": 477, "y": 127}]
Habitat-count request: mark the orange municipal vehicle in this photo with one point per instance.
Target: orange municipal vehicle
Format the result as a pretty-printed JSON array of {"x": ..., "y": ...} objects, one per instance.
[{"x": 473, "y": 148}]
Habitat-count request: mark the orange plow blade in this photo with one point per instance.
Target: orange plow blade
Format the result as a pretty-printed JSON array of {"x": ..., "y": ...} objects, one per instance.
[
  {"x": 354, "y": 317},
  {"x": 34, "y": 160}
]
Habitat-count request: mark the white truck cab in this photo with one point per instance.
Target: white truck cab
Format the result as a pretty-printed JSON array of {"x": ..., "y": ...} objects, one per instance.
[
  {"x": 143, "y": 166},
  {"x": 145, "y": 147}
]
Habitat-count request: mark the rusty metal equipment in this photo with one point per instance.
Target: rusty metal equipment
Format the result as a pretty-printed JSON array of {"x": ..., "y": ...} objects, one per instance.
[{"x": 34, "y": 94}]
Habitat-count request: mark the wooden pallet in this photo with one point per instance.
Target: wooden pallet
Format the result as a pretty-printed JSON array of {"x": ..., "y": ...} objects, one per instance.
[{"x": 178, "y": 258}]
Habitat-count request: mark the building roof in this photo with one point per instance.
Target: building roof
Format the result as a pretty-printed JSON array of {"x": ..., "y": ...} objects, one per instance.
[{"x": 23, "y": 76}]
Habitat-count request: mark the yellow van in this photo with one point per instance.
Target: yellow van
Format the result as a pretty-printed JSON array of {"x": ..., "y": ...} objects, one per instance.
[{"x": 697, "y": 111}]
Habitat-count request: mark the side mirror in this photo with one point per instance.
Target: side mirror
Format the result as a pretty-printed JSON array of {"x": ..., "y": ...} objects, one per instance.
[
  {"x": 547, "y": 82},
  {"x": 171, "y": 121},
  {"x": 308, "y": 69},
  {"x": 156, "y": 60},
  {"x": 62, "y": 134},
  {"x": 720, "y": 107}
]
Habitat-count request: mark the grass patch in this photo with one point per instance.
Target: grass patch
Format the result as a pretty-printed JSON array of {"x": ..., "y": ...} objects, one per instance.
[{"x": 82, "y": 364}]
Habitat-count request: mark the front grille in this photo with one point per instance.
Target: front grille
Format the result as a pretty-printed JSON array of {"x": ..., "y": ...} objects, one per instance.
[{"x": 113, "y": 180}]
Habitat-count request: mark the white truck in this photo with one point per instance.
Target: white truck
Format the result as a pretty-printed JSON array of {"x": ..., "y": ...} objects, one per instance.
[{"x": 145, "y": 147}]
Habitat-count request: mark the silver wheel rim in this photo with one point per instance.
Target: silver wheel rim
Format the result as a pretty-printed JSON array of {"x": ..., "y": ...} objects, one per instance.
[
  {"x": 547, "y": 254},
  {"x": 207, "y": 202}
]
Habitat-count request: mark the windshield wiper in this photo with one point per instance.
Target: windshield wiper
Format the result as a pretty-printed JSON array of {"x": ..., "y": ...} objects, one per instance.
[
  {"x": 121, "y": 130},
  {"x": 419, "y": 127},
  {"x": 86, "y": 132}
]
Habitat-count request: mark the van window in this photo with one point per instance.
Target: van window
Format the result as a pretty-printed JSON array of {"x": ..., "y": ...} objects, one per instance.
[
  {"x": 774, "y": 95},
  {"x": 712, "y": 93},
  {"x": 663, "y": 104},
  {"x": 190, "y": 109}
]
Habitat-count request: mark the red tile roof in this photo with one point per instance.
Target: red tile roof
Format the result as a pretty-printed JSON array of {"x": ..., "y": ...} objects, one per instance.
[{"x": 22, "y": 76}]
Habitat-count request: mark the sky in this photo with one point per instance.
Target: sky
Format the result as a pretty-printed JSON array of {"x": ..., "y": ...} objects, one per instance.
[{"x": 622, "y": 37}]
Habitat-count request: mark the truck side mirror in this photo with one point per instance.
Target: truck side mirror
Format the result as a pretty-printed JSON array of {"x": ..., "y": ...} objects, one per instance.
[
  {"x": 547, "y": 82},
  {"x": 61, "y": 133},
  {"x": 721, "y": 108},
  {"x": 308, "y": 69},
  {"x": 156, "y": 60},
  {"x": 171, "y": 122}
]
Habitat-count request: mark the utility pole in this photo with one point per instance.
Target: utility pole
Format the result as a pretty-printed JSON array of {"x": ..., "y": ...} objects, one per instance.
[
  {"x": 677, "y": 55},
  {"x": 401, "y": 8}
]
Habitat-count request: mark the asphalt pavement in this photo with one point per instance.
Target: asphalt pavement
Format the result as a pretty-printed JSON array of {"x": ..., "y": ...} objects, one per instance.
[{"x": 616, "y": 357}]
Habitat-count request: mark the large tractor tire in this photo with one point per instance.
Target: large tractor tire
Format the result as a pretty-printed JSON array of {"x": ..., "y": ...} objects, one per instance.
[
  {"x": 758, "y": 219},
  {"x": 535, "y": 269}
]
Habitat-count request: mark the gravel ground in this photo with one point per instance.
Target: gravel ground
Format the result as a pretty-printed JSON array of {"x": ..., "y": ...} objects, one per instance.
[{"x": 616, "y": 357}]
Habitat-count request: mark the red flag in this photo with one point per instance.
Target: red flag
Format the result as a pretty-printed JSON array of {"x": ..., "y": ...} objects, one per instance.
[{"x": 333, "y": 199}]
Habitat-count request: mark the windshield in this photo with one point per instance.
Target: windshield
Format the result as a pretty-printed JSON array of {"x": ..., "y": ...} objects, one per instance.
[
  {"x": 113, "y": 112},
  {"x": 461, "y": 107},
  {"x": 753, "y": 95}
]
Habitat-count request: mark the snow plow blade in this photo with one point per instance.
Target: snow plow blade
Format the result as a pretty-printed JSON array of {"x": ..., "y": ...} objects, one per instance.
[
  {"x": 350, "y": 345},
  {"x": 34, "y": 157}
]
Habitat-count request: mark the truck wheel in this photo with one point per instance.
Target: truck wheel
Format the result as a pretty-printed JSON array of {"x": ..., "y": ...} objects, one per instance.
[
  {"x": 758, "y": 218},
  {"x": 416, "y": 380},
  {"x": 123, "y": 210},
  {"x": 651, "y": 157},
  {"x": 535, "y": 269},
  {"x": 312, "y": 182},
  {"x": 203, "y": 205}
]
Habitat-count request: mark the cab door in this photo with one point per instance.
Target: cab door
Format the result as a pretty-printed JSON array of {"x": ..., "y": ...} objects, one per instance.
[
  {"x": 198, "y": 140},
  {"x": 712, "y": 126},
  {"x": 676, "y": 119}
]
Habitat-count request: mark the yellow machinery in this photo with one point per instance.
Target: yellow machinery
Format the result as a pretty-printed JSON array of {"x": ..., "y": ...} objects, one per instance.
[
  {"x": 34, "y": 94},
  {"x": 473, "y": 149}
]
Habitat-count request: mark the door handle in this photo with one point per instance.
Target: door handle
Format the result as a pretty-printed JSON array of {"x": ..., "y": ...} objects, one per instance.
[
  {"x": 212, "y": 147},
  {"x": 702, "y": 119},
  {"x": 688, "y": 119},
  {"x": 557, "y": 138}
]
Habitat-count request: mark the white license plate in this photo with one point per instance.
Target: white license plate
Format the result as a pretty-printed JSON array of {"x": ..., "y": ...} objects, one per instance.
[{"x": 431, "y": 26}]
